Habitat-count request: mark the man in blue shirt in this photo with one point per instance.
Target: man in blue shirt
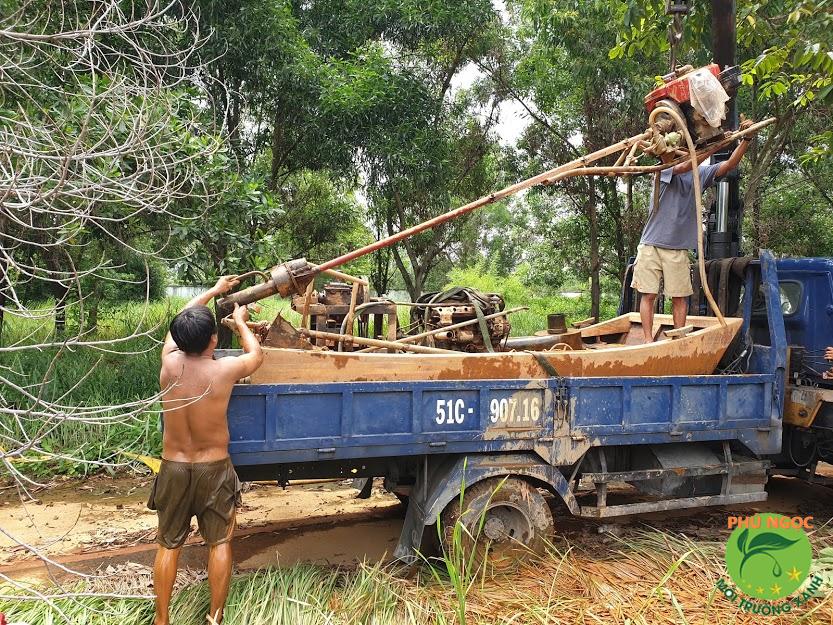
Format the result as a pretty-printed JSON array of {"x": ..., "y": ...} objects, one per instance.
[{"x": 671, "y": 231}]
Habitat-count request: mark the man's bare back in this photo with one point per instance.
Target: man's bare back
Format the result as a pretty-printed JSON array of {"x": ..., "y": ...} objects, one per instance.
[
  {"x": 197, "y": 389},
  {"x": 195, "y": 404}
]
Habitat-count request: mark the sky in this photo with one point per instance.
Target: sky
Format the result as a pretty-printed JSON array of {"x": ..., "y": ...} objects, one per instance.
[{"x": 512, "y": 118}]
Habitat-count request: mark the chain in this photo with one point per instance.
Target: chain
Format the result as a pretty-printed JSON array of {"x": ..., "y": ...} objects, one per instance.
[{"x": 677, "y": 8}]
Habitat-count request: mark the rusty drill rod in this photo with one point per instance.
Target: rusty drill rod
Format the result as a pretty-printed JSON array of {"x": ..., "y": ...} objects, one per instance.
[
  {"x": 360, "y": 340},
  {"x": 284, "y": 279},
  {"x": 293, "y": 276},
  {"x": 543, "y": 178},
  {"x": 484, "y": 201}
]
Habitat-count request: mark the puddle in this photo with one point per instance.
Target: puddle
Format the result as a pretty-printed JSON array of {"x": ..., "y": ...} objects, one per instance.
[{"x": 339, "y": 544}]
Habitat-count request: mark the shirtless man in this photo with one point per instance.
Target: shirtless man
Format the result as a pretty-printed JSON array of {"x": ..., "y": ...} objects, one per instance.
[{"x": 197, "y": 478}]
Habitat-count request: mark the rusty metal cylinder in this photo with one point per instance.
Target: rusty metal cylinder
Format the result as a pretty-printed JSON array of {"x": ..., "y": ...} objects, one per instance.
[
  {"x": 556, "y": 323},
  {"x": 289, "y": 278},
  {"x": 572, "y": 338}
]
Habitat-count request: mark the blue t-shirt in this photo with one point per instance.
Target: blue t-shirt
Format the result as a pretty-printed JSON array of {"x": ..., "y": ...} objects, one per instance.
[{"x": 674, "y": 225}]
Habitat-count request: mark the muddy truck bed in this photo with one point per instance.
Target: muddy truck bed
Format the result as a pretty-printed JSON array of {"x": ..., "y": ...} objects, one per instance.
[{"x": 680, "y": 441}]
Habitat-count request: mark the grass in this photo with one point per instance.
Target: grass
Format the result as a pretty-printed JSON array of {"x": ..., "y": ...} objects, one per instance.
[
  {"x": 649, "y": 576},
  {"x": 125, "y": 372}
]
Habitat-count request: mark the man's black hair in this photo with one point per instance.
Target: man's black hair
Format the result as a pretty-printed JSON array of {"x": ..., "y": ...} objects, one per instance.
[{"x": 193, "y": 328}]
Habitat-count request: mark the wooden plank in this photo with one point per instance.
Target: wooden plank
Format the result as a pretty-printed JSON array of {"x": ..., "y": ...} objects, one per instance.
[{"x": 677, "y": 333}]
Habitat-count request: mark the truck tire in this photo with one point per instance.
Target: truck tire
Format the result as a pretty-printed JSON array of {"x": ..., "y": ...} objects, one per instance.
[{"x": 516, "y": 521}]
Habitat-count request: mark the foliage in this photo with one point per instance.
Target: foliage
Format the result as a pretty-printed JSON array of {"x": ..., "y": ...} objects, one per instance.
[
  {"x": 578, "y": 102},
  {"x": 785, "y": 45},
  {"x": 253, "y": 227},
  {"x": 104, "y": 150},
  {"x": 797, "y": 197},
  {"x": 308, "y": 129}
]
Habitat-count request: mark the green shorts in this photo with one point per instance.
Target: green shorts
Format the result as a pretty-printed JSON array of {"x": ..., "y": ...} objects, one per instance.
[{"x": 208, "y": 490}]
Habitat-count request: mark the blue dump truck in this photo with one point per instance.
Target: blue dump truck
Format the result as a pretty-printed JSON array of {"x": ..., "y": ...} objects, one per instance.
[{"x": 676, "y": 441}]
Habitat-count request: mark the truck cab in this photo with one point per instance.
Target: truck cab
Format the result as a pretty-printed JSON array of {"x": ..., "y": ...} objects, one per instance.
[{"x": 806, "y": 291}]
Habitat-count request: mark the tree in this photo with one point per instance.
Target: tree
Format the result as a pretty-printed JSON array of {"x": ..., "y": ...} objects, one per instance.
[
  {"x": 437, "y": 153},
  {"x": 786, "y": 55},
  {"x": 102, "y": 153},
  {"x": 579, "y": 103}
]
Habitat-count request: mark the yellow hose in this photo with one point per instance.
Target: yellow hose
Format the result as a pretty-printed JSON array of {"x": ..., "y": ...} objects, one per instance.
[{"x": 695, "y": 171}]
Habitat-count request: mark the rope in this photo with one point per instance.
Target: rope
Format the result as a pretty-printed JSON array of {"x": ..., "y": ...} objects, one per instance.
[
  {"x": 695, "y": 171},
  {"x": 546, "y": 365}
]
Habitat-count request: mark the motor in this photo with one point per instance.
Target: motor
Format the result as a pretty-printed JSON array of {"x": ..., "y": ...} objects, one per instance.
[
  {"x": 441, "y": 309},
  {"x": 698, "y": 95}
]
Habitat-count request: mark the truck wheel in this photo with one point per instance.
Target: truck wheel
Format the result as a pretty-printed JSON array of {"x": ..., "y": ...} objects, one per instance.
[{"x": 516, "y": 521}]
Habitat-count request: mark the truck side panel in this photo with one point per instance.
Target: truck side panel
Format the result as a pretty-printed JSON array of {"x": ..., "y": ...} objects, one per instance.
[{"x": 302, "y": 423}]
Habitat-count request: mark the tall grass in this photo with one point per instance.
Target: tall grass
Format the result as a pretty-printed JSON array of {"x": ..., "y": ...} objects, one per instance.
[
  {"x": 124, "y": 372},
  {"x": 648, "y": 576},
  {"x": 463, "y": 559}
]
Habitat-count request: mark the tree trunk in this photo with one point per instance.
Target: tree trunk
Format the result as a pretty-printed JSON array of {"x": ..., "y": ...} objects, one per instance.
[
  {"x": 60, "y": 292},
  {"x": 224, "y": 335},
  {"x": 592, "y": 214},
  {"x": 92, "y": 311},
  {"x": 4, "y": 267},
  {"x": 593, "y": 217},
  {"x": 5, "y": 283}
]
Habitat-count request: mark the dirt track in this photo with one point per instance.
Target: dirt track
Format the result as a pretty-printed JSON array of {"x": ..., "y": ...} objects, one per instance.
[{"x": 104, "y": 522}]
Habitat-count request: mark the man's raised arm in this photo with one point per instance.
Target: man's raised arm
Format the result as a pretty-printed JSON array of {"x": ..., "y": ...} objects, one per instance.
[
  {"x": 223, "y": 285},
  {"x": 242, "y": 366},
  {"x": 734, "y": 160},
  {"x": 730, "y": 163}
]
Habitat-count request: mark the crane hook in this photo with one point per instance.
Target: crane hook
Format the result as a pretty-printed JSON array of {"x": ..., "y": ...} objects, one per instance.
[{"x": 677, "y": 8}]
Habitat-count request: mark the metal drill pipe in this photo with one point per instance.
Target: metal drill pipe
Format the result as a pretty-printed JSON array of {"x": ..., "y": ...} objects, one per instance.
[
  {"x": 360, "y": 340},
  {"x": 484, "y": 201},
  {"x": 286, "y": 283},
  {"x": 547, "y": 177}
]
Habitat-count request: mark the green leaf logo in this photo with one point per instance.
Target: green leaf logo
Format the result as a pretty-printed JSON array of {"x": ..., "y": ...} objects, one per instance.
[
  {"x": 763, "y": 544},
  {"x": 768, "y": 558}
]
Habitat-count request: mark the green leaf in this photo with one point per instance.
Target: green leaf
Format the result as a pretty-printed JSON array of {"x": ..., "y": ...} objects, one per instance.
[
  {"x": 770, "y": 541},
  {"x": 742, "y": 540}
]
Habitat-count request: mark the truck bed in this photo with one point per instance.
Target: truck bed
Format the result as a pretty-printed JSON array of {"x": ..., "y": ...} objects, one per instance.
[{"x": 299, "y": 423}]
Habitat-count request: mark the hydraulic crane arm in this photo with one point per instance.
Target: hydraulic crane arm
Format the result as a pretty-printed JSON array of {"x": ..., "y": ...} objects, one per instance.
[{"x": 724, "y": 223}]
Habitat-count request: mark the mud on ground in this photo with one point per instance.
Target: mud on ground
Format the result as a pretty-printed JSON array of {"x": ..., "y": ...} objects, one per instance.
[{"x": 102, "y": 524}]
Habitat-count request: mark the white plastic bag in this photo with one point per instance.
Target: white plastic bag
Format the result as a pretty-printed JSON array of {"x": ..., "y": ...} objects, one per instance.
[{"x": 708, "y": 97}]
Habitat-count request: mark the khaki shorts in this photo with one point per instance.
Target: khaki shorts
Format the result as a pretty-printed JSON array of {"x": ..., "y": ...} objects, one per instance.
[
  {"x": 653, "y": 263},
  {"x": 208, "y": 490}
]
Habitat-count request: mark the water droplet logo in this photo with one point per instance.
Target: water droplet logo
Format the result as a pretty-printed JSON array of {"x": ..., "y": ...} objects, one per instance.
[{"x": 768, "y": 557}]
